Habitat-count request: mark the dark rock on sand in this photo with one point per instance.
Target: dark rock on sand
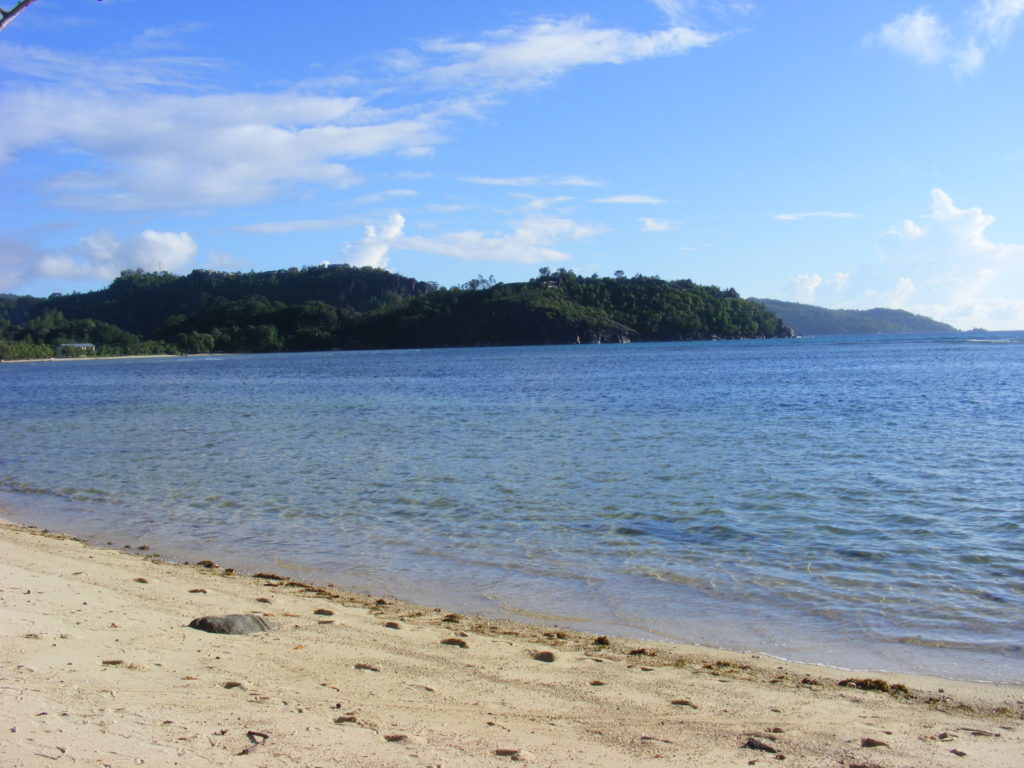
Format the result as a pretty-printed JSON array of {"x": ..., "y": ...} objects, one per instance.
[
  {"x": 757, "y": 744},
  {"x": 233, "y": 624}
]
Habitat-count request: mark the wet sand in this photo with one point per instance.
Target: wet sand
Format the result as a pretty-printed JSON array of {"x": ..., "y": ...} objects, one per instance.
[{"x": 100, "y": 668}]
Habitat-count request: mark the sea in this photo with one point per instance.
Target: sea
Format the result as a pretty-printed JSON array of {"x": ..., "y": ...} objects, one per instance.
[{"x": 855, "y": 501}]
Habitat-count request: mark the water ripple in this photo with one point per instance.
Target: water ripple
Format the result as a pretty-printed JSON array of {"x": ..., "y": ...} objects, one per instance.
[{"x": 852, "y": 501}]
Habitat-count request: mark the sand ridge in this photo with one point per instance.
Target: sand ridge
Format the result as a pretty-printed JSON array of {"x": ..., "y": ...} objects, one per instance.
[{"x": 100, "y": 668}]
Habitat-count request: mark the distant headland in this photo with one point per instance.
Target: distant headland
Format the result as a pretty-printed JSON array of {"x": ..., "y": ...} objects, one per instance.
[{"x": 808, "y": 320}]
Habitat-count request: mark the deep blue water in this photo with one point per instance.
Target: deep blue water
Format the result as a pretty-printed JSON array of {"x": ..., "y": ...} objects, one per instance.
[{"x": 855, "y": 501}]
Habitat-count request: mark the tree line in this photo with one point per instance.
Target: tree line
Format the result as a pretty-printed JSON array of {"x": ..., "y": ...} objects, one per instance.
[{"x": 344, "y": 307}]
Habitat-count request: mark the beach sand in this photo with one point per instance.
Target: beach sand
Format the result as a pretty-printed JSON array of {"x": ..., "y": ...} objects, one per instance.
[{"x": 100, "y": 668}]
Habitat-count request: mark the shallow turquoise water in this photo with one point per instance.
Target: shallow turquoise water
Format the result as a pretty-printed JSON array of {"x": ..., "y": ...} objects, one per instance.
[{"x": 855, "y": 501}]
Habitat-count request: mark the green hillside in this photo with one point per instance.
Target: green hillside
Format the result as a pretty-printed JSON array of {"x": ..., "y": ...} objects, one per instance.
[
  {"x": 808, "y": 320},
  {"x": 364, "y": 308}
]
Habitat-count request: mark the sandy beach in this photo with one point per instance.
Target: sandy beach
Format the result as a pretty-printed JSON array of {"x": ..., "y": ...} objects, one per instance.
[{"x": 101, "y": 668}]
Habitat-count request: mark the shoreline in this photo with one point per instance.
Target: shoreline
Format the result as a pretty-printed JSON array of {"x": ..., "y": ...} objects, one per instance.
[
  {"x": 91, "y": 357},
  {"x": 486, "y": 607},
  {"x": 99, "y": 662}
]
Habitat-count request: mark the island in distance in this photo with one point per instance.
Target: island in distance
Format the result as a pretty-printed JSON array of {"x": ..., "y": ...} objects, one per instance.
[
  {"x": 345, "y": 307},
  {"x": 808, "y": 320}
]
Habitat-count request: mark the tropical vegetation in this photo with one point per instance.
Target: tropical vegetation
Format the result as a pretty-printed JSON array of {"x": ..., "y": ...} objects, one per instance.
[{"x": 344, "y": 307}]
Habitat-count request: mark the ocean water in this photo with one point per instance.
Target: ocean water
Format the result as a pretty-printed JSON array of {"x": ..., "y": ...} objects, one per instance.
[{"x": 854, "y": 501}]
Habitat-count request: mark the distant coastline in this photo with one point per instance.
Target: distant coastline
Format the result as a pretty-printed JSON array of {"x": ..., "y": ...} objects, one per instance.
[{"x": 809, "y": 320}]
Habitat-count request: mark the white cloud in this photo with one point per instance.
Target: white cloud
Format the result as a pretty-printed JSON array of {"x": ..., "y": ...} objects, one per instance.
[
  {"x": 491, "y": 181},
  {"x": 532, "y": 181},
  {"x": 673, "y": 9},
  {"x": 631, "y": 200},
  {"x": 678, "y": 11},
  {"x": 943, "y": 265},
  {"x": 919, "y": 35},
  {"x": 924, "y": 37},
  {"x": 164, "y": 38},
  {"x": 149, "y": 131},
  {"x": 907, "y": 229},
  {"x": 416, "y": 151},
  {"x": 947, "y": 266},
  {"x": 901, "y": 294},
  {"x": 446, "y": 207},
  {"x": 540, "y": 203},
  {"x": 372, "y": 250},
  {"x": 299, "y": 225},
  {"x": 806, "y": 286},
  {"x": 656, "y": 225},
  {"x": 997, "y": 19},
  {"x": 108, "y": 72},
  {"x": 193, "y": 152},
  {"x": 576, "y": 181},
  {"x": 814, "y": 215},
  {"x": 967, "y": 227},
  {"x": 530, "y": 243},
  {"x": 530, "y": 56},
  {"x": 386, "y": 194},
  {"x": 99, "y": 256}
]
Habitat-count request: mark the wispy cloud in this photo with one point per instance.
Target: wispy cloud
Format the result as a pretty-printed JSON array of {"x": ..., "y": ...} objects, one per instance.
[
  {"x": 530, "y": 56},
  {"x": 513, "y": 181},
  {"x": 532, "y": 181},
  {"x": 285, "y": 227},
  {"x": 109, "y": 73},
  {"x": 181, "y": 151},
  {"x": 679, "y": 11},
  {"x": 532, "y": 241},
  {"x": 924, "y": 37},
  {"x": 388, "y": 194},
  {"x": 168, "y": 37},
  {"x": 446, "y": 207},
  {"x": 814, "y": 215},
  {"x": 152, "y": 133},
  {"x": 576, "y": 181},
  {"x": 631, "y": 200},
  {"x": 657, "y": 225}
]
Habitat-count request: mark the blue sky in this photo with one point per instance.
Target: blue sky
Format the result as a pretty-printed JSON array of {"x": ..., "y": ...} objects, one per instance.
[{"x": 853, "y": 153}]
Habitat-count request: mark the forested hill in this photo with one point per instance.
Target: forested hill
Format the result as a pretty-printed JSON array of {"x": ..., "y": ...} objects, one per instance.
[
  {"x": 143, "y": 302},
  {"x": 365, "y": 308},
  {"x": 808, "y": 320}
]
